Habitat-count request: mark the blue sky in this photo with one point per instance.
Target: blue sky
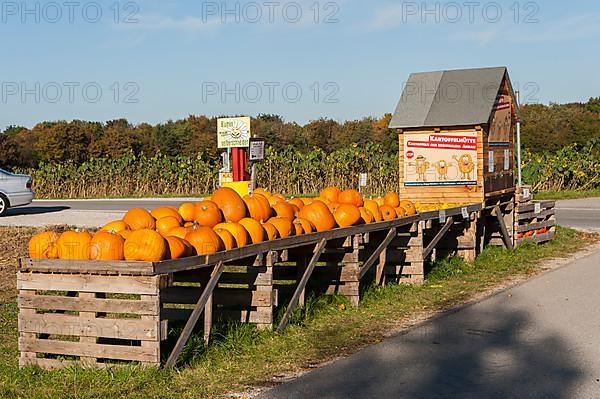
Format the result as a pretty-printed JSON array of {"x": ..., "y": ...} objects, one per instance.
[{"x": 159, "y": 60}]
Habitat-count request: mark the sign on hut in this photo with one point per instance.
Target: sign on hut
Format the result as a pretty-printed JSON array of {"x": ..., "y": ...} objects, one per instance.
[{"x": 457, "y": 133}]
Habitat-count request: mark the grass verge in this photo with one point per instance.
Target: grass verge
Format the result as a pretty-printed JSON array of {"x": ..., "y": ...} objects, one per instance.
[
  {"x": 241, "y": 356},
  {"x": 564, "y": 195}
]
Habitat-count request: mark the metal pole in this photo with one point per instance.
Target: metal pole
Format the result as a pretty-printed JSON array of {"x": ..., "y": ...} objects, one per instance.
[{"x": 520, "y": 179}]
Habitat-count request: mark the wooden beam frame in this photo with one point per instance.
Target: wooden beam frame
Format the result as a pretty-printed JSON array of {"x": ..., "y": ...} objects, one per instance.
[
  {"x": 440, "y": 234},
  {"x": 204, "y": 299},
  {"x": 319, "y": 248},
  {"x": 375, "y": 255},
  {"x": 505, "y": 236}
]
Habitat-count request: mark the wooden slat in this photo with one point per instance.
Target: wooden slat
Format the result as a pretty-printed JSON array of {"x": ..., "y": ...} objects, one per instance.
[
  {"x": 62, "y": 324},
  {"x": 534, "y": 226},
  {"x": 438, "y": 236},
  {"x": 375, "y": 254},
  {"x": 221, "y": 296},
  {"x": 116, "y": 352},
  {"x": 148, "y": 285},
  {"x": 76, "y": 304},
  {"x": 92, "y": 267},
  {"x": 508, "y": 242}
]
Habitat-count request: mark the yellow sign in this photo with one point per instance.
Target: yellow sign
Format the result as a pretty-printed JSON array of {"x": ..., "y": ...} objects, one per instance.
[
  {"x": 446, "y": 159},
  {"x": 233, "y": 132}
]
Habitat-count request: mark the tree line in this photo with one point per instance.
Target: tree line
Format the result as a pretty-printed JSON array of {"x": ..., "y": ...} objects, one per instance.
[{"x": 545, "y": 128}]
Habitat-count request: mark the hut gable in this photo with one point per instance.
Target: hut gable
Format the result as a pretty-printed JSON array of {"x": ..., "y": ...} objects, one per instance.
[{"x": 462, "y": 97}]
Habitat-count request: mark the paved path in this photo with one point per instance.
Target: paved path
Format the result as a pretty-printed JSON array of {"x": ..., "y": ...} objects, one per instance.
[{"x": 581, "y": 214}]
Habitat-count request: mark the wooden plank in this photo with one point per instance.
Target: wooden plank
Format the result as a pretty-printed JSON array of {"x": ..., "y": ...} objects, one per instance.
[
  {"x": 302, "y": 284},
  {"x": 116, "y": 352},
  {"x": 63, "y": 324},
  {"x": 88, "y": 283},
  {"x": 377, "y": 252},
  {"x": 191, "y": 323},
  {"x": 49, "y": 302},
  {"x": 86, "y": 267},
  {"x": 508, "y": 241},
  {"x": 532, "y": 215},
  {"x": 535, "y": 226},
  {"x": 221, "y": 296},
  {"x": 438, "y": 236}
]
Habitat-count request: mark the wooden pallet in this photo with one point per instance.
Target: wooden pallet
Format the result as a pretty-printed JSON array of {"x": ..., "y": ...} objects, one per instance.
[
  {"x": 535, "y": 221},
  {"x": 94, "y": 320},
  {"x": 523, "y": 194}
]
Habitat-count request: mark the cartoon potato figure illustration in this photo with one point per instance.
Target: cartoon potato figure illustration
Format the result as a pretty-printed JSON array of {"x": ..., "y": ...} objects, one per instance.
[
  {"x": 421, "y": 166},
  {"x": 442, "y": 169},
  {"x": 465, "y": 166}
]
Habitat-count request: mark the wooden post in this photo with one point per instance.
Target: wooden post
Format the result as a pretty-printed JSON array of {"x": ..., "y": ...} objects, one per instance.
[{"x": 377, "y": 253}]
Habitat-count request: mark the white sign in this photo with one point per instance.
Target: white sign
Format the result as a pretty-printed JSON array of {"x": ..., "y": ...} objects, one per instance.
[
  {"x": 362, "y": 179},
  {"x": 506, "y": 159},
  {"x": 233, "y": 132},
  {"x": 465, "y": 212},
  {"x": 257, "y": 150},
  {"x": 442, "y": 216},
  {"x": 491, "y": 166},
  {"x": 537, "y": 208},
  {"x": 526, "y": 193}
]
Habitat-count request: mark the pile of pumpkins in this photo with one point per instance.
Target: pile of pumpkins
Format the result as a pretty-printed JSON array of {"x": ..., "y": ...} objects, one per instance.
[{"x": 221, "y": 222}]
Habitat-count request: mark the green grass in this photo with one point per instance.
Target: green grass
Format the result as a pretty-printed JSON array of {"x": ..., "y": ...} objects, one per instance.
[
  {"x": 563, "y": 195},
  {"x": 240, "y": 356}
]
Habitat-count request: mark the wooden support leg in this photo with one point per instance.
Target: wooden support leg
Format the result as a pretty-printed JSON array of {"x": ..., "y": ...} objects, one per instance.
[
  {"x": 191, "y": 323},
  {"x": 376, "y": 254},
  {"x": 319, "y": 248},
  {"x": 208, "y": 319},
  {"x": 505, "y": 236},
  {"x": 438, "y": 237}
]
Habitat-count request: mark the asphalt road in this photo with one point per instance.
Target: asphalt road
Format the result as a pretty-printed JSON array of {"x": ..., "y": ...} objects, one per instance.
[
  {"x": 581, "y": 214},
  {"x": 109, "y": 205}
]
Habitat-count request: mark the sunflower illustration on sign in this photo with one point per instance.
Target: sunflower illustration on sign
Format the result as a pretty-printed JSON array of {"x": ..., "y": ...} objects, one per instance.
[{"x": 233, "y": 132}]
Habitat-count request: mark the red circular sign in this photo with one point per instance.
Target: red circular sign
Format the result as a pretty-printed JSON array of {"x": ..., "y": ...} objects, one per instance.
[{"x": 410, "y": 154}]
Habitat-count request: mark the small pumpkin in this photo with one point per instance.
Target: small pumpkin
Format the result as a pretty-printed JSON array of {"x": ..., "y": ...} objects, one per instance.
[
  {"x": 285, "y": 210},
  {"x": 43, "y": 245},
  {"x": 254, "y": 229},
  {"x": 205, "y": 241},
  {"x": 283, "y": 225},
  {"x": 179, "y": 232},
  {"x": 262, "y": 192},
  {"x": 139, "y": 219},
  {"x": 179, "y": 248},
  {"x": 306, "y": 201},
  {"x": 125, "y": 234},
  {"x": 116, "y": 226},
  {"x": 347, "y": 215},
  {"x": 391, "y": 199},
  {"x": 400, "y": 211},
  {"x": 307, "y": 226},
  {"x": 297, "y": 202},
  {"x": 230, "y": 203},
  {"x": 330, "y": 193},
  {"x": 372, "y": 206},
  {"x": 409, "y": 206},
  {"x": 351, "y": 197},
  {"x": 258, "y": 207},
  {"x": 146, "y": 246},
  {"x": 237, "y": 230},
  {"x": 318, "y": 215},
  {"x": 207, "y": 214},
  {"x": 74, "y": 245},
  {"x": 107, "y": 246},
  {"x": 387, "y": 212},
  {"x": 366, "y": 215},
  {"x": 164, "y": 211},
  {"x": 379, "y": 201},
  {"x": 166, "y": 224},
  {"x": 271, "y": 231},
  {"x": 187, "y": 211},
  {"x": 227, "y": 238}
]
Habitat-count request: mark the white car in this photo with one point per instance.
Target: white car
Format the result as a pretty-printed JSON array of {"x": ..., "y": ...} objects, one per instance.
[{"x": 15, "y": 190}]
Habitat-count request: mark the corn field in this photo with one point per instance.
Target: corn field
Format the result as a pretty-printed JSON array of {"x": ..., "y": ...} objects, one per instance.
[{"x": 288, "y": 171}]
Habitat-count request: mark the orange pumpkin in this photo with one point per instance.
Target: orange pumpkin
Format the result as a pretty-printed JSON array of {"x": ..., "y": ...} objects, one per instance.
[
  {"x": 297, "y": 202},
  {"x": 276, "y": 199},
  {"x": 116, "y": 227},
  {"x": 285, "y": 210},
  {"x": 347, "y": 215},
  {"x": 179, "y": 232},
  {"x": 205, "y": 241},
  {"x": 262, "y": 192},
  {"x": 254, "y": 229},
  {"x": 228, "y": 239},
  {"x": 207, "y": 214},
  {"x": 307, "y": 226},
  {"x": 237, "y": 230},
  {"x": 73, "y": 245},
  {"x": 380, "y": 201},
  {"x": 409, "y": 206},
  {"x": 306, "y": 201},
  {"x": 230, "y": 203},
  {"x": 43, "y": 245},
  {"x": 330, "y": 193},
  {"x": 401, "y": 212},
  {"x": 258, "y": 207},
  {"x": 270, "y": 231},
  {"x": 318, "y": 215},
  {"x": 187, "y": 211},
  {"x": 366, "y": 215},
  {"x": 166, "y": 224},
  {"x": 372, "y": 206},
  {"x": 387, "y": 212},
  {"x": 179, "y": 248},
  {"x": 391, "y": 199},
  {"x": 125, "y": 234},
  {"x": 283, "y": 225},
  {"x": 351, "y": 197},
  {"x": 107, "y": 246},
  {"x": 333, "y": 206},
  {"x": 146, "y": 246},
  {"x": 139, "y": 219},
  {"x": 297, "y": 229},
  {"x": 164, "y": 211}
]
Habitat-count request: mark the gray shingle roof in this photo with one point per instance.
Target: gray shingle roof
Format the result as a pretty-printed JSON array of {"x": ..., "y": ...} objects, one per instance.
[{"x": 449, "y": 98}]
